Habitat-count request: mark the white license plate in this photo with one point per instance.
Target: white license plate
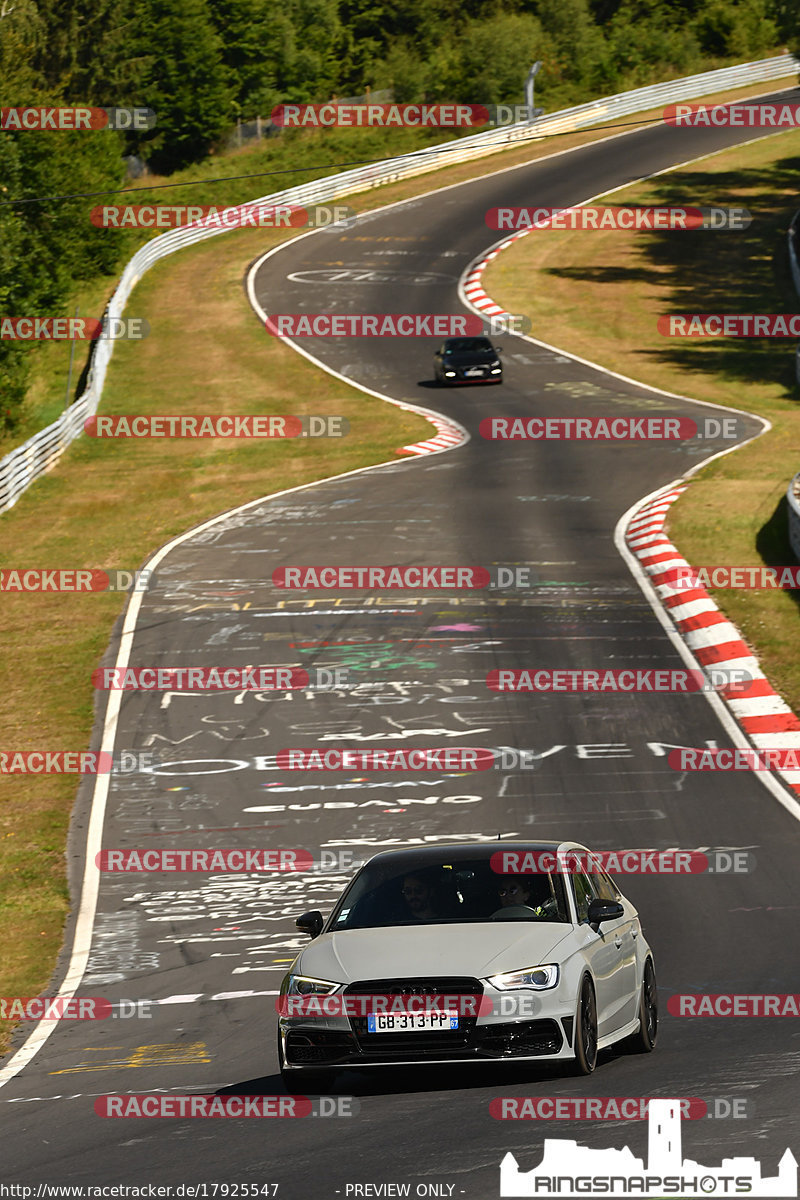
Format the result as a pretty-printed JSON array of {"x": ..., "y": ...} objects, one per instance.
[
  {"x": 475, "y": 371},
  {"x": 406, "y": 1022}
]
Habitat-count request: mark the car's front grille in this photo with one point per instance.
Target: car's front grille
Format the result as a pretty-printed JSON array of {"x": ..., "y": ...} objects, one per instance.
[
  {"x": 416, "y": 1043},
  {"x": 318, "y": 1046}
]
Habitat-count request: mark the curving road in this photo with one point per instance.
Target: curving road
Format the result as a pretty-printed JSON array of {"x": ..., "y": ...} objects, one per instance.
[{"x": 212, "y": 949}]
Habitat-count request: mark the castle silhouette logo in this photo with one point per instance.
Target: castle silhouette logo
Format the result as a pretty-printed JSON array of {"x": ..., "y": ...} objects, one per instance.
[{"x": 568, "y": 1169}]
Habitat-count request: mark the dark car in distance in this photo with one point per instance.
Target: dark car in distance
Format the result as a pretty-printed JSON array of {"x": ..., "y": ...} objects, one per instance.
[{"x": 467, "y": 360}]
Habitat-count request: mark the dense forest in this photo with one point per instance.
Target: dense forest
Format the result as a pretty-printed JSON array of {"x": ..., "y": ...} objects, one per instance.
[{"x": 202, "y": 66}]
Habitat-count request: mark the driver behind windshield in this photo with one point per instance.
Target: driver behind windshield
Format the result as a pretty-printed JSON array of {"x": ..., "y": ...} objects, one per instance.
[
  {"x": 515, "y": 892},
  {"x": 419, "y": 897}
]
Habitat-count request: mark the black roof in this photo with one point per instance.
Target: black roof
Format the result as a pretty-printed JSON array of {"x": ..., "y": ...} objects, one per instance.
[{"x": 419, "y": 856}]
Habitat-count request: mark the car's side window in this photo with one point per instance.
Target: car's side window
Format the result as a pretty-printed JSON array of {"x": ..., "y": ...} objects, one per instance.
[
  {"x": 604, "y": 886},
  {"x": 584, "y": 891}
]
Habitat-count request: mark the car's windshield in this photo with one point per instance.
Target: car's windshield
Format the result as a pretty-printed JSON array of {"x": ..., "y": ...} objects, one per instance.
[
  {"x": 460, "y": 345},
  {"x": 468, "y": 890}
]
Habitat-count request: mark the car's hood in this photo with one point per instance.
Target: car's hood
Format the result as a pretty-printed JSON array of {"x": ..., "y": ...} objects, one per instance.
[{"x": 479, "y": 950}]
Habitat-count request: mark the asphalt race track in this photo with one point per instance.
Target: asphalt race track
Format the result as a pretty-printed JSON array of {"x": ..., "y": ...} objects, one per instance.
[{"x": 213, "y": 948}]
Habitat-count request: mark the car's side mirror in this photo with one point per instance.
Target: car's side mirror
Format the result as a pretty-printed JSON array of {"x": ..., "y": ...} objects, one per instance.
[
  {"x": 498, "y": 349},
  {"x": 604, "y": 910},
  {"x": 311, "y": 923}
]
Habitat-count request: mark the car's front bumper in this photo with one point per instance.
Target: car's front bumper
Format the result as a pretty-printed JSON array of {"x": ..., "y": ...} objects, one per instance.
[{"x": 541, "y": 1027}]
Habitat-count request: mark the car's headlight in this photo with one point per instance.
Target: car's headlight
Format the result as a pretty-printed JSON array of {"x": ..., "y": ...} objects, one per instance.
[
  {"x": 449, "y": 373},
  {"x": 306, "y": 985},
  {"x": 537, "y": 978},
  {"x": 496, "y": 363}
]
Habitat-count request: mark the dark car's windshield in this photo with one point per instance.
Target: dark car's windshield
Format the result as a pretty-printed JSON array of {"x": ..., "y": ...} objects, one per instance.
[
  {"x": 447, "y": 892},
  {"x": 467, "y": 345}
]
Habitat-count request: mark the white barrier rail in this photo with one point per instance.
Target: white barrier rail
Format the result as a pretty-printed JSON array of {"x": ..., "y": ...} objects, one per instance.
[{"x": 39, "y": 454}]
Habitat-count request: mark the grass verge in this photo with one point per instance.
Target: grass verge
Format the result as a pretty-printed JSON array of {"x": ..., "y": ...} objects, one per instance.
[{"x": 599, "y": 294}]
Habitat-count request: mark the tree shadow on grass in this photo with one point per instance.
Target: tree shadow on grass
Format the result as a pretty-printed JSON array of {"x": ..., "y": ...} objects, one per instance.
[
  {"x": 772, "y": 543},
  {"x": 721, "y": 271}
]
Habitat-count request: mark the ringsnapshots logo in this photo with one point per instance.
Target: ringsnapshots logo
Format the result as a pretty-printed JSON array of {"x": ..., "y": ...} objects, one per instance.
[
  {"x": 210, "y": 216},
  {"x": 631, "y": 218},
  {"x": 413, "y": 325},
  {"x": 74, "y": 579},
  {"x": 72, "y": 329},
  {"x": 216, "y": 426},
  {"x": 731, "y": 681},
  {"x": 38, "y": 119},
  {"x": 569, "y": 1170}
]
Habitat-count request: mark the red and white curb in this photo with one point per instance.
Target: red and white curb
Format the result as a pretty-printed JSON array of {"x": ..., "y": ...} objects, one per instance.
[
  {"x": 447, "y": 436},
  {"x": 473, "y": 288},
  {"x": 713, "y": 640}
]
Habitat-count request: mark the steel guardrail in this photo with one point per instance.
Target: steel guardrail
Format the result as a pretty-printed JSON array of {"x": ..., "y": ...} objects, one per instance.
[{"x": 21, "y": 467}]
